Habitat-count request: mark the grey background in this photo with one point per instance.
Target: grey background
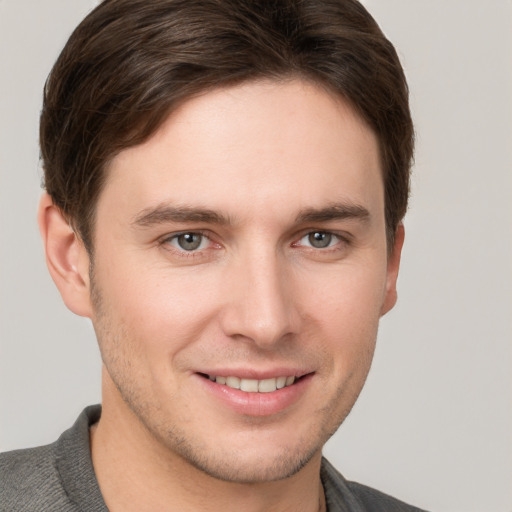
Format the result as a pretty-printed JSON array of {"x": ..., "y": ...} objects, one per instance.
[{"x": 434, "y": 423}]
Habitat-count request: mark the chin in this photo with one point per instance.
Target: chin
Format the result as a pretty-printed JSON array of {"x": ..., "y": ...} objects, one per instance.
[{"x": 236, "y": 467}]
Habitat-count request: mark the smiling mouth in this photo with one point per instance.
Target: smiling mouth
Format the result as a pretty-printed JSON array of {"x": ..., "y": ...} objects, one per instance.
[{"x": 253, "y": 385}]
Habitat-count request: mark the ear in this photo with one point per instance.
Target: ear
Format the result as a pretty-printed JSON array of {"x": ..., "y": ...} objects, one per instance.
[
  {"x": 390, "y": 295},
  {"x": 66, "y": 257}
]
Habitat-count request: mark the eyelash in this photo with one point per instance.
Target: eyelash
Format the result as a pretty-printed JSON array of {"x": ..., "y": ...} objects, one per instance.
[
  {"x": 331, "y": 237},
  {"x": 181, "y": 252},
  {"x": 168, "y": 239}
]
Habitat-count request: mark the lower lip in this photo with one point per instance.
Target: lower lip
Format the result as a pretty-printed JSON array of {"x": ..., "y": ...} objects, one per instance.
[{"x": 258, "y": 404}]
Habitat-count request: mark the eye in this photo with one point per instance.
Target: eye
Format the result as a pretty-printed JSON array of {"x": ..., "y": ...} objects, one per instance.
[
  {"x": 319, "y": 239},
  {"x": 189, "y": 241}
]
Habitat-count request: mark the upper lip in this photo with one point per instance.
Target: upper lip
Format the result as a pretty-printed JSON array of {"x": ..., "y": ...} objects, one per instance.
[{"x": 251, "y": 373}]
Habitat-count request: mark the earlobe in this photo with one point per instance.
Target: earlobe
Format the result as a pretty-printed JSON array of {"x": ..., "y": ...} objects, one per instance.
[
  {"x": 66, "y": 257},
  {"x": 390, "y": 296}
]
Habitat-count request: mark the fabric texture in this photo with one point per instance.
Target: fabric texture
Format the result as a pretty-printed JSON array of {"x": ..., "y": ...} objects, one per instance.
[{"x": 60, "y": 477}]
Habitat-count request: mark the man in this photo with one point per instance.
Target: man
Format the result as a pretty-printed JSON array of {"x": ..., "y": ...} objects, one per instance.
[{"x": 225, "y": 184}]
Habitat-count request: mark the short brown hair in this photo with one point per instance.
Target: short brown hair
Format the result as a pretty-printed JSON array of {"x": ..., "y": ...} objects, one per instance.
[{"x": 131, "y": 62}]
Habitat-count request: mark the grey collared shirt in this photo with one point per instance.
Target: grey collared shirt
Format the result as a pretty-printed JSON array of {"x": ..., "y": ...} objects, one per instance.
[{"x": 60, "y": 477}]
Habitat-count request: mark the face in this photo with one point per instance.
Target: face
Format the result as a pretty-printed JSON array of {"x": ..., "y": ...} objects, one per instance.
[{"x": 239, "y": 273}]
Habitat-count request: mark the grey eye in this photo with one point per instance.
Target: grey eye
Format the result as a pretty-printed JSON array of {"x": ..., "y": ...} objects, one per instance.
[
  {"x": 320, "y": 239},
  {"x": 189, "y": 241}
]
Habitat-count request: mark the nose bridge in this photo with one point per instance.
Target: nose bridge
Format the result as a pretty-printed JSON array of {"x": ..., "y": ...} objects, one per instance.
[{"x": 261, "y": 308}]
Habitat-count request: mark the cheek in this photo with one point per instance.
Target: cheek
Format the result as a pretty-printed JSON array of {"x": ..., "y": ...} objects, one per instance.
[
  {"x": 347, "y": 310},
  {"x": 163, "y": 311},
  {"x": 349, "y": 295}
]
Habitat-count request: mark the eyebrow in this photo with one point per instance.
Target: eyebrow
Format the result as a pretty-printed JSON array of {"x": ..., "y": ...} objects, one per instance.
[
  {"x": 165, "y": 213},
  {"x": 338, "y": 211}
]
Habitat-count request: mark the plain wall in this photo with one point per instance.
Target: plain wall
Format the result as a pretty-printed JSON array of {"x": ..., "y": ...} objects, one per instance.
[{"x": 434, "y": 424}]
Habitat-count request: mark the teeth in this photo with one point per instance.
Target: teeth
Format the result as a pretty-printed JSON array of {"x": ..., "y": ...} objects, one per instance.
[
  {"x": 253, "y": 385},
  {"x": 280, "y": 382},
  {"x": 233, "y": 382},
  {"x": 249, "y": 385},
  {"x": 267, "y": 385},
  {"x": 289, "y": 381}
]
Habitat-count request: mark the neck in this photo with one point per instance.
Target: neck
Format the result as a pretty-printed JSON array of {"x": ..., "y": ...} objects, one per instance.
[{"x": 135, "y": 472}]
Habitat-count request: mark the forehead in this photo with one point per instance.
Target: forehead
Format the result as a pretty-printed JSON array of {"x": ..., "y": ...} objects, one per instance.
[{"x": 264, "y": 147}]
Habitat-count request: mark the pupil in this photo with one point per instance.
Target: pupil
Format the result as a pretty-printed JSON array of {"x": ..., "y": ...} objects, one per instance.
[
  {"x": 320, "y": 239},
  {"x": 189, "y": 241}
]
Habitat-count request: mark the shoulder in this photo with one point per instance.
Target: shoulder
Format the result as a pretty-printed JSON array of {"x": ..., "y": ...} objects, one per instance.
[
  {"x": 374, "y": 500},
  {"x": 54, "y": 478},
  {"x": 30, "y": 480},
  {"x": 343, "y": 495}
]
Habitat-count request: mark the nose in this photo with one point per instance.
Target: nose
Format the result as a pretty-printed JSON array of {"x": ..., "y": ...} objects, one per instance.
[{"x": 261, "y": 306}]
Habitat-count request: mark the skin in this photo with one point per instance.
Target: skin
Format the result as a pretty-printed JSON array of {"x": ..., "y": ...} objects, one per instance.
[{"x": 271, "y": 163}]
